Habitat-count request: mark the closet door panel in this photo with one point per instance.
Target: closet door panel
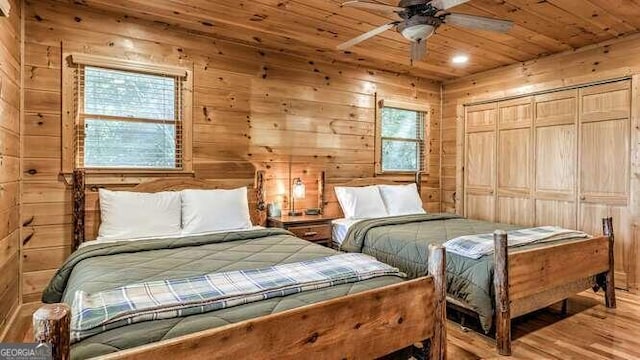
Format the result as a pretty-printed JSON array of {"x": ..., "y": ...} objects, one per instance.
[
  {"x": 624, "y": 248},
  {"x": 557, "y": 213},
  {"x": 480, "y": 175},
  {"x": 515, "y": 113},
  {"x": 590, "y": 217},
  {"x": 513, "y": 160},
  {"x": 604, "y": 151},
  {"x": 606, "y": 102},
  {"x": 590, "y": 221},
  {"x": 556, "y": 161},
  {"x": 480, "y": 161},
  {"x": 514, "y": 173},
  {"x": 515, "y": 210},
  {"x": 556, "y": 108},
  {"x": 480, "y": 207},
  {"x": 481, "y": 118},
  {"x": 481, "y": 155}
]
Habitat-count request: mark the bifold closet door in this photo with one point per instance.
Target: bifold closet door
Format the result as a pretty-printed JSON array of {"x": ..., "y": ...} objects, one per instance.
[
  {"x": 604, "y": 151},
  {"x": 556, "y": 143},
  {"x": 480, "y": 161},
  {"x": 514, "y": 165}
]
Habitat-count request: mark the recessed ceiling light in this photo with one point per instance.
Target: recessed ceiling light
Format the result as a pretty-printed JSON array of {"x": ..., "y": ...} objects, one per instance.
[{"x": 460, "y": 59}]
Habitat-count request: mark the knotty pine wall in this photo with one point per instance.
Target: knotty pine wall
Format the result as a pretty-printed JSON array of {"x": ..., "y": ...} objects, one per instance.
[
  {"x": 254, "y": 109},
  {"x": 10, "y": 84}
]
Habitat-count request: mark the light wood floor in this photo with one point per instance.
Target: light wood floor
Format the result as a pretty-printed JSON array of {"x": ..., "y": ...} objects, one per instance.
[{"x": 589, "y": 331}]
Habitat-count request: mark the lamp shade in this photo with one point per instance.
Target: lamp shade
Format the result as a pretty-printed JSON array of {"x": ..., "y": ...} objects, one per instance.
[{"x": 298, "y": 189}]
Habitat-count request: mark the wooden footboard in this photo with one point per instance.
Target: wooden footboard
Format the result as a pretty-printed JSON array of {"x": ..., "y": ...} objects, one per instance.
[
  {"x": 365, "y": 325},
  {"x": 532, "y": 279}
]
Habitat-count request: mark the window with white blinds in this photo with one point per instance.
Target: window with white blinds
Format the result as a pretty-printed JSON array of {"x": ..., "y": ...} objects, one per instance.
[
  {"x": 402, "y": 140},
  {"x": 128, "y": 119}
]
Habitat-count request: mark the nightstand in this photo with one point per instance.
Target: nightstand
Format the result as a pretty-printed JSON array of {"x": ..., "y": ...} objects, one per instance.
[{"x": 314, "y": 228}]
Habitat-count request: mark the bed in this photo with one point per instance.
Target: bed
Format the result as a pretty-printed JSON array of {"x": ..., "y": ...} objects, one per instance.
[
  {"x": 392, "y": 314},
  {"x": 496, "y": 287}
]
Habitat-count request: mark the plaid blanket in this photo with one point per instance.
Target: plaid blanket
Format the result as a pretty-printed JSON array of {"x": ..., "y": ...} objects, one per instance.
[
  {"x": 165, "y": 299},
  {"x": 477, "y": 246}
]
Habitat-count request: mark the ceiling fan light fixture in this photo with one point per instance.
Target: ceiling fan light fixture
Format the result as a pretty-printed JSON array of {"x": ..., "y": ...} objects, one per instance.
[
  {"x": 460, "y": 59},
  {"x": 419, "y": 20},
  {"x": 418, "y": 32}
]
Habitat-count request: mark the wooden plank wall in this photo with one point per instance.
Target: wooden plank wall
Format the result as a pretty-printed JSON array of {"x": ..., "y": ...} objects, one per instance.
[
  {"x": 253, "y": 109},
  {"x": 608, "y": 60},
  {"x": 10, "y": 84}
]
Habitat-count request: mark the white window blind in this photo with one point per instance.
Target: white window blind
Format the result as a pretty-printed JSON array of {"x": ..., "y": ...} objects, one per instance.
[
  {"x": 402, "y": 140},
  {"x": 128, "y": 119}
]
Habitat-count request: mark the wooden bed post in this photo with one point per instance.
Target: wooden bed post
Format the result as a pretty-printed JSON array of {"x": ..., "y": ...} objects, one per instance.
[
  {"x": 609, "y": 287},
  {"x": 501, "y": 284},
  {"x": 259, "y": 183},
  {"x": 418, "y": 181},
  {"x": 78, "y": 207},
  {"x": 51, "y": 326},
  {"x": 437, "y": 269}
]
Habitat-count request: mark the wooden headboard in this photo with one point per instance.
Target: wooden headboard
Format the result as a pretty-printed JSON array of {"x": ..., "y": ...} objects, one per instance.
[
  {"x": 331, "y": 207},
  {"x": 86, "y": 204}
]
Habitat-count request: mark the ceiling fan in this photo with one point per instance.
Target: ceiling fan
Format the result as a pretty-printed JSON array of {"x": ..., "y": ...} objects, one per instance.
[{"x": 420, "y": 19}]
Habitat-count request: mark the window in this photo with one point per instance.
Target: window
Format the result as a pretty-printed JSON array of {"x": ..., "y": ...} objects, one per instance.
[
  {"x": 127, "y": 116},
  {"x": 130, "y": 120},
  {"x": 401, "y": 139}
]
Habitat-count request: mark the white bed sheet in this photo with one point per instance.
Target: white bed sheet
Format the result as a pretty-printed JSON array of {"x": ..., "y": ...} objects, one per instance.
[
  {"x": 339, "y": 229},
  {"x": 99, "y": 241}
]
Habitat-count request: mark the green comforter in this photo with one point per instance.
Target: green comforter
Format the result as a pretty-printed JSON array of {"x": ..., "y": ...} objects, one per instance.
[
  {"x": 109, "y": 265},
  {"x": 403, "y": 242}
]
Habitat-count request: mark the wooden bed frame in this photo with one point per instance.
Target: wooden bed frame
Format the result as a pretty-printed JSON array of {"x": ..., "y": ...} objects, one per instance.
[
  {"x": 531, "y": 279},
  {"x": 369, "y": 324}
]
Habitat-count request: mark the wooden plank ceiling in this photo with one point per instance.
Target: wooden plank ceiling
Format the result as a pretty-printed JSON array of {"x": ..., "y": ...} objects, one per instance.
[{"x": 313, "y": 28}]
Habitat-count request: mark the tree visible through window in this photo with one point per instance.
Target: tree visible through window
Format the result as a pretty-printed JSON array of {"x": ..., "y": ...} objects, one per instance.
[
  {"x": 402, "y": 139},
  {"x": 129, "y": 120}
]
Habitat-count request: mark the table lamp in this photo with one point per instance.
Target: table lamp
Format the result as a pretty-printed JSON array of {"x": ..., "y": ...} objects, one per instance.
[{"x": 297, "y": 192}]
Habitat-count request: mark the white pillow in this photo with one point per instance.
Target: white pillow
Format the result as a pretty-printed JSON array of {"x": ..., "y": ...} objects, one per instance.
[
  {"x": 401, "y": 199},
  {"x": 361, "y": 202},
  {"x": 129, "y": 215},
  {"x": 215, "y": 210}
]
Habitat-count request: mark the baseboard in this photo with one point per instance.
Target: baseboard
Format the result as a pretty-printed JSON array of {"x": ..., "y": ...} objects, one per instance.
[
  {"x": 19, "y": 323},
  {"x": 5, "y": 332}
]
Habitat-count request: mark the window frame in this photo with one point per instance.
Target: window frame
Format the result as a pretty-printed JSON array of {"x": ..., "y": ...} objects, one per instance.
[
  {"x": 425, "y": 110},
  {"x": 71, "y": 115}
]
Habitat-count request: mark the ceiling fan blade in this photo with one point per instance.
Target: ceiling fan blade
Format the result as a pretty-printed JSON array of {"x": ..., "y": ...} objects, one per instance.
[
  {"x": 372, "y": 6},
  {"x": 478, "y": 22},
  {"x": 447, "y": 4},
  {"x": 367, "y": 35},
  {"x": 418, "y": 50}
]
